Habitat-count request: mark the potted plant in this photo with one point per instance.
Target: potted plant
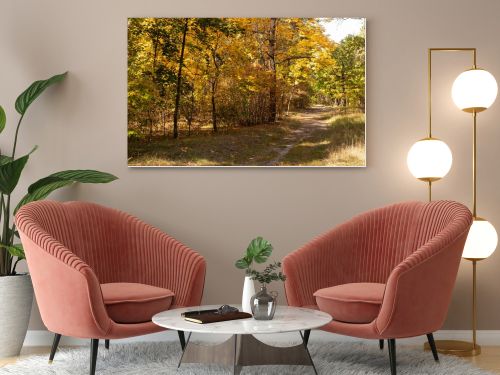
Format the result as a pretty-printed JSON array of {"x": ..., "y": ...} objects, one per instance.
[
  {"x": 258, "y": 251},
  {"x": 16, "y": 291}
]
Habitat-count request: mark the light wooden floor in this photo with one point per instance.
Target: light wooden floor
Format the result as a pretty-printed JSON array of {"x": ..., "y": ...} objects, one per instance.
[{"x": 488, "y": 360}]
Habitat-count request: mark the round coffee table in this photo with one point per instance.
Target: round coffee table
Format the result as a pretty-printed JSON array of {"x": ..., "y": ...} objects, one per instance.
[{"x": 242, "y": 348}]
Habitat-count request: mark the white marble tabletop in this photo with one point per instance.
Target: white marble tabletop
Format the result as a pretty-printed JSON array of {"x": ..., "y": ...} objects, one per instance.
[{"x": 286, "y": 319}]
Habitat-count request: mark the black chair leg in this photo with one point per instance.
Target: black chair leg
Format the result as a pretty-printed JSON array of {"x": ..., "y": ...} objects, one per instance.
[
  {"x": 94, "y": 346},
  {"x": 106, "y": 344},
  {"x": 55, "y": 344},
  {"x": 381, "y": 344},
  {"x": 182, "y": 339},
  {"x": 432, "y": 344},
  {"x": 307, "y": 333},
  {"x": 392, "y": 355}
]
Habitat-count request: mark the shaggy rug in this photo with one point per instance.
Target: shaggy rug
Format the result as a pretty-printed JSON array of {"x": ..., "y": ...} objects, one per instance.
[{"x": 162, "y": 357}]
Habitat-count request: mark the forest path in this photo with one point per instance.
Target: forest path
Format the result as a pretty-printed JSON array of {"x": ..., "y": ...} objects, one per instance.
[{"x": 309, "y": 121}]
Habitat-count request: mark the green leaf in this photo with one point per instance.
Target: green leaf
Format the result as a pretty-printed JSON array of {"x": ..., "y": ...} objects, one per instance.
[
  {"x": 31, "y": 93},
  {"x": 42, "y": 193},
  {"x": 43, "y": 187},
  {"x": 3, "y": 119},
  {"x": 15, "y": 250},
  {"x": 86, "y": 176},
  {"x": 4, "y": 159},
  {"x": 10, "y": 172},
  {"x": 259, "y": 250},
  {"x": 242, "y": 263}
]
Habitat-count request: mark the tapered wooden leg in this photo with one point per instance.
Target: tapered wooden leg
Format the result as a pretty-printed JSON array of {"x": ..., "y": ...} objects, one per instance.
[
  {"x": 392, "y": 355},
  {"x": 106, "y": 344},
  {"x": 307, "y": 333},
  {"x": 55, "y": 344},
  {"x": 182, "y": 339},
  {"x": 432, "y": 344},
  {"x": 381, "y": 344},
  {"x": 94, "y": 346}
]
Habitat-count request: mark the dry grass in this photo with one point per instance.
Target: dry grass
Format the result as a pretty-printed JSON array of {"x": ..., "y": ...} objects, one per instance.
[
  {"x": 337, "y": 141},
  {"x": 351, "y": 155},
  {"x": 341, "y": 143},
  {"x": 239, "y": 146}
]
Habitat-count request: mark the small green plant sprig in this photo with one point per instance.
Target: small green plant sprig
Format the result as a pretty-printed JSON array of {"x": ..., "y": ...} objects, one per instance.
[
  {"x": 269, "y": 274},
  {"x": 259, "y": 250}
]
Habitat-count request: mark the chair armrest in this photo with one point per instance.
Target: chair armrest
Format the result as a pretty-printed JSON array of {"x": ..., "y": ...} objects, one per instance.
[
  {"x": 321, "y": 263},
  {"x": 419, "y": 289},
  {"x": 165, "y": 262},
  {"x": 66, "y": 289}
]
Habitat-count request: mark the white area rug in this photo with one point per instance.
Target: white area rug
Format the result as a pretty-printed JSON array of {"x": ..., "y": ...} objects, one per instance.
[{"x": 161, "y": 358}]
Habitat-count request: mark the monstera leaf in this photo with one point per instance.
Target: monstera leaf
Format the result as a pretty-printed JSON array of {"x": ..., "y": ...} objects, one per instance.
[{"x": 258, "y": 250}]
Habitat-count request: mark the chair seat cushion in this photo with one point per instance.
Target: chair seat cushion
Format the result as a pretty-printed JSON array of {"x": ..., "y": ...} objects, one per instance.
[
  {"x": 135, "y": 303},
  {"x": 351, "y": 303}
]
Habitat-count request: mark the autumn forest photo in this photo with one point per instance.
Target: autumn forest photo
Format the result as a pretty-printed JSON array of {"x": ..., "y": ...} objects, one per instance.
[{"x": 246, "y": 92}]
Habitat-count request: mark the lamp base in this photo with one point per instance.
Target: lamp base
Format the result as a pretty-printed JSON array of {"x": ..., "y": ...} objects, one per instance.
[{"x": 456, "y": 348}]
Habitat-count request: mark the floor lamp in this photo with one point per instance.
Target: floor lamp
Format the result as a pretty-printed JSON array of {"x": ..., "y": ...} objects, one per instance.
[{"x": 473, "y": 91}]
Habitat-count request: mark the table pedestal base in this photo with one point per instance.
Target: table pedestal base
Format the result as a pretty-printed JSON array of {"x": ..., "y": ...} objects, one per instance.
[{"x": 246, "y": 350}]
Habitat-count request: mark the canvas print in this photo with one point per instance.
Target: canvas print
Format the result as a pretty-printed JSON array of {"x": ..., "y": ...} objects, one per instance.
[{"x": 282, "y": 92}]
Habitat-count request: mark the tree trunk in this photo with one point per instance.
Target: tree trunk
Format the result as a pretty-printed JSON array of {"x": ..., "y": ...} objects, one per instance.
[
  {"x": 179, "y": 80},
  {"x": 290, "y": 100},
  {"x": 214, "y": 113},
  {"x": 191, "y": 112},
  {"x": 164, "y": 123},
  {"x": 215, "y": 81},
  {"x": 150, "y": 130},
  {"x": 272, "y": 58}
]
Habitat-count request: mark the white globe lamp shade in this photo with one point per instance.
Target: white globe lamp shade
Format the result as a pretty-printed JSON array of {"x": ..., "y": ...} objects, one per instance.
[
  {"x": 474, "y": 90},
  {"x": 481, "y": 241},
  {"x": 429, "y": 159}
]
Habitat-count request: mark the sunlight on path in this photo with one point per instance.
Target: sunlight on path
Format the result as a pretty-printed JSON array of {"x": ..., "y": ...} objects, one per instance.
[{"x": 309, "y": 120}]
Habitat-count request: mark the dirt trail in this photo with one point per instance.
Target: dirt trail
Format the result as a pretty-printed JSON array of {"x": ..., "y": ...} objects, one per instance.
[{"x": 309, "y": 120}]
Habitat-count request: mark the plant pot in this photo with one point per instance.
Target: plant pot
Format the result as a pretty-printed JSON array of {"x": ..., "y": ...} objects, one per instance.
[
  {"x": 248, "y": 292},
  {"x": 16, "y": 298}
]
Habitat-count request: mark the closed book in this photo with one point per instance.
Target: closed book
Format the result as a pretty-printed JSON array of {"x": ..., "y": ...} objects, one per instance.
[{"x": 210, "y": 317}]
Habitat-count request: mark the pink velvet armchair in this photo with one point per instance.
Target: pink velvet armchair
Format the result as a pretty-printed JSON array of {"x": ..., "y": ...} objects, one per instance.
[
  {"x": 385, "y": 274},
  {"x": 99, "y": 273}
]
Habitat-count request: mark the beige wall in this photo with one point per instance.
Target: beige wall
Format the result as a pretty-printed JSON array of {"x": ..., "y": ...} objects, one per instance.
[{"x": 82, "y": 124}]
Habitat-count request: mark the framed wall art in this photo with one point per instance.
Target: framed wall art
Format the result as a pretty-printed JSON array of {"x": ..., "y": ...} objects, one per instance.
[{"x": 282, "y": 92}]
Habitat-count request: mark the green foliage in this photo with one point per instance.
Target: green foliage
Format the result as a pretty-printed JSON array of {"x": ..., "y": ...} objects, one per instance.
[
  {"x": 31, "y": 93},
  {"x": 344, "y": 82},
  {"x": 258, "y": 250},
  {"x": 3, "y": 119},
  {"x": 43, "y": 187},
  {"x": 11, "y": 170},
  {"x": 15, "y": 250},
  {"x": 269, "y": 274}
]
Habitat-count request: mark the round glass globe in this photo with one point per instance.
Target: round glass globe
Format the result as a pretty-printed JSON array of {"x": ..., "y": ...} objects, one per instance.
[
  {"x": 474, "y": 90},
  {"x": 481, "y": 241},
  {"x": 429, "y": 159}
]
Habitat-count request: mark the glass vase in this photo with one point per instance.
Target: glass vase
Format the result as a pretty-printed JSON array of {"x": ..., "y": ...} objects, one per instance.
[{"x": 263, "y": 304}]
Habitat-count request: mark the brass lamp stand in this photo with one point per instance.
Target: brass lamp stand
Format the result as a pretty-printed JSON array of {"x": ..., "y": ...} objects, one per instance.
[{"x": 454, "y": 347}]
